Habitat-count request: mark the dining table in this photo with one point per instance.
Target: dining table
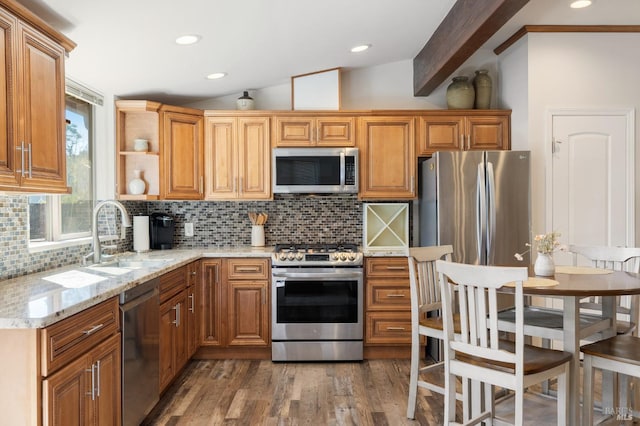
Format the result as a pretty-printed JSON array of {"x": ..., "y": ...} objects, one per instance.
[{"x": 571, "y": 284}]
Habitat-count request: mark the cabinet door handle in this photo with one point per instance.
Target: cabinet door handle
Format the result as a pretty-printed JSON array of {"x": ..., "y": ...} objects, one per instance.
[
  {"x": 264, "y": 296},
  {"x": 413, "y": 183},
  {"x": 200, "y": 188},
  {"x": 241, "y": 188},
  {"x": 98, "y": 378},
  {"x": 93, "y": 379},
  {"x": 93, "y": 329},
  {"x": 395, "y": 295},
  {"x": 395, "y": 328},
  {"x": 21, "y": 149},
  {"x": 192, "y": 308},
  {"x": 30, "y": 162},
  {"x": 177, "y": 320}
]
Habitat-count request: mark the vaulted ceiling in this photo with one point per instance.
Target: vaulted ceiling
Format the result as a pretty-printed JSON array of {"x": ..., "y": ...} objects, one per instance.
[{"x": 127, "y": 47}]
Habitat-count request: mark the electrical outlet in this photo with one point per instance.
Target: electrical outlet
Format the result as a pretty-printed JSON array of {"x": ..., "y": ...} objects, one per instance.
[{"x": 188, "y": 229}]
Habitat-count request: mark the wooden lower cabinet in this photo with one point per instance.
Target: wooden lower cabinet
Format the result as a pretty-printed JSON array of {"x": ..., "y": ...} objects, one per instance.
[
  {"x": 88, "y": 390},
  {"x": 387, "y": 305},
  {"x": 235, "y": 303},
  {"x": 173, "y": 338},
  {"x": 193, "y": 308}
]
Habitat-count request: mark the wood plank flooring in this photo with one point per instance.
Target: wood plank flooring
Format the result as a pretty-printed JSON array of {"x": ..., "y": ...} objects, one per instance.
[{"x": 261, "y": 392}]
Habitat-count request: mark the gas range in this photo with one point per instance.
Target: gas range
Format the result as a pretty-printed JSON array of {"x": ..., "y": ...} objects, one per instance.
[{"x": 331, "y": 255}]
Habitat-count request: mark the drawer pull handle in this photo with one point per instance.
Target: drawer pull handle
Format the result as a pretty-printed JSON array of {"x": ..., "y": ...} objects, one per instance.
[
  {"x": 396, "y": 268},
  {"x": 395, "y": 328},
  {"x": 395, "y": 295},
  {"x": 93, "y": 329},
  {"x": 248, "y": 269}
]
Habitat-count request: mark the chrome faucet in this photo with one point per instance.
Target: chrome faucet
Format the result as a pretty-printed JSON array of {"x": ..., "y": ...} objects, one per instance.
[{"x": 126, "y": 222}]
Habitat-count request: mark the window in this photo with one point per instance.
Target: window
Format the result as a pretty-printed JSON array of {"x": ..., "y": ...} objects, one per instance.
[{"x": 65, "y": 217}]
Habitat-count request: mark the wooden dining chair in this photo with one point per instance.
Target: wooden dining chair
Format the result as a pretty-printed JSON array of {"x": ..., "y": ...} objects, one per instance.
[
  {"x": 618, "y": 354},
  {"x": 426, "y": 320},
  {"x": 478, "y": 354}
]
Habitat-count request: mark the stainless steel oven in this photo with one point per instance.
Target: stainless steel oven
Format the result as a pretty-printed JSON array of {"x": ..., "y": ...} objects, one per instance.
[{"x": 317, "y": 304}]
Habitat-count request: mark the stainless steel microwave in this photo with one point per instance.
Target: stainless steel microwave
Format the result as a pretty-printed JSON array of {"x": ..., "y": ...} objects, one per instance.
[{"x": 315, "y": 170}]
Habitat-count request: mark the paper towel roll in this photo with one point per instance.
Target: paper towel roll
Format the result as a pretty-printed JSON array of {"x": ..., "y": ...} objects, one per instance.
[{"x": 141, "y": 233}]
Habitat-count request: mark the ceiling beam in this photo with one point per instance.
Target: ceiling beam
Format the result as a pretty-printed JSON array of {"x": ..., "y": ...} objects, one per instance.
[{"x": 467, "y": 26}]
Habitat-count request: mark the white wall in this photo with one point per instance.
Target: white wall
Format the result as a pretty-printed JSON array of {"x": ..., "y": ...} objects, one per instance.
[
  {"x": 387, "y": 86},
  {"x": 568, "y": 70}
]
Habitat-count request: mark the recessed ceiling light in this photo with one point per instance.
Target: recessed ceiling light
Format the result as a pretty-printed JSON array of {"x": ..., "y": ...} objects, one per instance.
[
  {"x": 579, "y": 4},
  {"x": 216, "y": 75},
  {"x": 188, "y": 39},
  {"x": 360, "y": 48}
]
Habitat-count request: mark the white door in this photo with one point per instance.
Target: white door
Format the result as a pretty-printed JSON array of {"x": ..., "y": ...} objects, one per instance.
[{"x": 592, "y": 188}]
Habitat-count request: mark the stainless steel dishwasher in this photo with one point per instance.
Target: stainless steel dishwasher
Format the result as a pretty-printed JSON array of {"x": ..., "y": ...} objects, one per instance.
[{"x": 140, "y": 313}]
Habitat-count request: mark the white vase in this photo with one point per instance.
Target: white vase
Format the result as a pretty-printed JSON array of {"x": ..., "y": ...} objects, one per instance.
[
  {"x": 544, "y": 265},
  {"x": 137, "y": 186}
]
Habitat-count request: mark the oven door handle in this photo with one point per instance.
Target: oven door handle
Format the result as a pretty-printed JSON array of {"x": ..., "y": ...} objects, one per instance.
[{"x": 316, "y": 276}]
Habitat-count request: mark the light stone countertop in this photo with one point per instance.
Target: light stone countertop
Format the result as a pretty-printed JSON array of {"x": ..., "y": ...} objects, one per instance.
[{"x": 41, "y": 299}]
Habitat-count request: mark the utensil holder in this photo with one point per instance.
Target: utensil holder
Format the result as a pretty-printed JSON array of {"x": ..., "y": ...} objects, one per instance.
[{"x": 257, "y": 236}]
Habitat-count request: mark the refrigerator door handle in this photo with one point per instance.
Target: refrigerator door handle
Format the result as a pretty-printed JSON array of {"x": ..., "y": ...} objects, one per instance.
[
  {"x": 481, "y": 214},
  {"x": 491, "y": 213}
]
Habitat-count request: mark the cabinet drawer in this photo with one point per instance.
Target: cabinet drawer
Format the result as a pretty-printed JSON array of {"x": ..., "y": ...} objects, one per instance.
[
  {"x": 397, "y": 267},
  {"x": 173, "y": 282},
  {"x": 64, "y": 341},
  {"x": 388, "y": 328},
  {"x": 390, "y": 295},
  {"x": 247, "y": 269}
]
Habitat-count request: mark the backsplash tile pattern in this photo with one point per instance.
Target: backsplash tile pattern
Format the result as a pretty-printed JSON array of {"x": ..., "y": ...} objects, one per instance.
[
  {"x": 292, "y": 219},
  {"x": 15, "y": 258}
]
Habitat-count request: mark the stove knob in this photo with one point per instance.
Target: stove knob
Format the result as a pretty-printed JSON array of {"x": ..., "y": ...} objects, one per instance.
[
  {"x": 343, "y": 256},
  {"x": 283, "y": 256},
  {"x": 291, "y": 256},
  {"x": 299, "y": 256},
  {"x": 352, "y": 257},
  {"x": 334, "y": 256}
]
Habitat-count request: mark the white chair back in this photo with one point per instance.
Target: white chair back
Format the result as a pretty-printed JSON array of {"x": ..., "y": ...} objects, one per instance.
[
  {"x": 478, "y": 308},
  {"x": 617, "y": 259}
]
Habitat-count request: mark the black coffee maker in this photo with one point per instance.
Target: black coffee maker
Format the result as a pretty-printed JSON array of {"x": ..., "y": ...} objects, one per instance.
[{"x": 161, "y": 227}]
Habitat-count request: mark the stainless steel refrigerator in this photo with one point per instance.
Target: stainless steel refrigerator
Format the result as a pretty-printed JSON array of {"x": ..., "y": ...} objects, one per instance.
[{"x": 479, "y": 202}]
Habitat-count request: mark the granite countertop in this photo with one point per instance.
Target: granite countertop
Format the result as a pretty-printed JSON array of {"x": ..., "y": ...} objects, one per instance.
[{"x": 41, "y": 299}]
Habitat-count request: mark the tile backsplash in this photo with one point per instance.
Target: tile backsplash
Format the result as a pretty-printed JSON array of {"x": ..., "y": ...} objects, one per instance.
[{"x": 292, "y": 219}]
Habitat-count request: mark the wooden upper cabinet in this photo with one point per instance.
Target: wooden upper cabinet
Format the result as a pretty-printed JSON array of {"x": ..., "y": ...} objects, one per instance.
[
  {"x": 476, "y": 130},
  {"x": 439, "y": 134},
  {"x": 387, "y": 157},
  {"x": 32, "y": 110},
  {"x": 9, "y": 157},
  {"x": 237, "y": 158},
  {"x": 306, "y": 131},
  {"x": 182, "y": 143},
  {"x": 488, "y": 132}
]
